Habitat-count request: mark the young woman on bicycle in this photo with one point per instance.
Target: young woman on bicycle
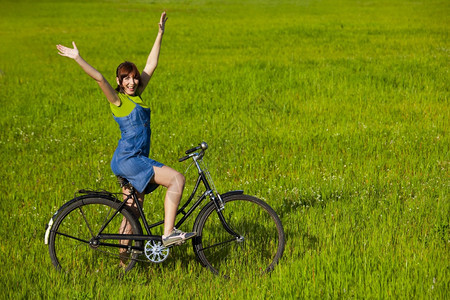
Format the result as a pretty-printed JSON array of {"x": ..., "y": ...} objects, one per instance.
[{"x": 130, "y": 160}]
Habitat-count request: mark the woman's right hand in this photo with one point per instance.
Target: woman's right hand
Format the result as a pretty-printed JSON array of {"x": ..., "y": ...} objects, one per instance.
[
  {"x": 162, "y": 22},
  {"x": 68, "y": 52}
]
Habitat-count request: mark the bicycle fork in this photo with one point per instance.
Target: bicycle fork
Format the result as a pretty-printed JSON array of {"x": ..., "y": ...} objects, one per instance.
[{"x": 219, "y": 203}]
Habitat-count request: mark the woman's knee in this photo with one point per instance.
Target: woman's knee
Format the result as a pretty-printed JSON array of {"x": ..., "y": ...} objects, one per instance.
[{"x": 178, "y": 181}]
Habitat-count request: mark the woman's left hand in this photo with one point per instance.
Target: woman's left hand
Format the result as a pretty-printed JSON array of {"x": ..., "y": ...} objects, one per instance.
[{"x": 162, "y": 22}]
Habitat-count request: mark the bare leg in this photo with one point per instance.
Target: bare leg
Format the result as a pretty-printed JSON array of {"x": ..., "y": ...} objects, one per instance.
[
  {"x": 174, "y": 181},
  {"x": 125, "y": 227}
]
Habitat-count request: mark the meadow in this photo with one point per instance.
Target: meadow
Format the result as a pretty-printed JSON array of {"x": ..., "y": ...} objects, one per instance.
[{"x": 336, "y": 113}]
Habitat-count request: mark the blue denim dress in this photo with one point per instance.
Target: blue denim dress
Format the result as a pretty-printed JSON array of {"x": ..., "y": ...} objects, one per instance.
[{"x": 130, "y": 160}]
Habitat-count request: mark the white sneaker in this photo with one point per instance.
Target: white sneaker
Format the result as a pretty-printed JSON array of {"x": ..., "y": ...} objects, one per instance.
[{"x": 177, "y": 237}]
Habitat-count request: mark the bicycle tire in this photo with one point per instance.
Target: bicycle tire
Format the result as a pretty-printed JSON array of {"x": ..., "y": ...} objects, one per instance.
[
  {"x": 259, "y": 225},
  {"x": 80, "y": 221}
]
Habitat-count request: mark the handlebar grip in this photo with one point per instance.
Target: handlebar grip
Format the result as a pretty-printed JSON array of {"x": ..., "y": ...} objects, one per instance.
[
  {"x": 193, "y": 149},
  {"x": 183, "y": 158}
]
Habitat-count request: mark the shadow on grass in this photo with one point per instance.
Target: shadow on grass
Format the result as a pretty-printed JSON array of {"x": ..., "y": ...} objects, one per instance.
[
  {"x": 180, "y": 261},
  {"x": 291, "y": 211}
]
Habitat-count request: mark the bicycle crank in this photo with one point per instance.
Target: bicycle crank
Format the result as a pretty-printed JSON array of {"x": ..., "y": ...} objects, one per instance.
[{"x": 155, "y": 251}]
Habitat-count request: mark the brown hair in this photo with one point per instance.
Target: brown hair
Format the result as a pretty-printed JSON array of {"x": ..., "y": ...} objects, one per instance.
[{"x": 125, "y": 69}]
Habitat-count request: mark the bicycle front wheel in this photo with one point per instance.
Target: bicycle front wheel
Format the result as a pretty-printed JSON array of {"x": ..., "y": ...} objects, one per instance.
[
  {"x": 259, "y": 246},
  {"x": 73, "y": 242}
]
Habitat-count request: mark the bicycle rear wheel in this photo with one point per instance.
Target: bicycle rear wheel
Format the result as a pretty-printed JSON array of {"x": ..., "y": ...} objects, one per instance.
[
  {"x": 72, "y": 242},
  {"x": 261, "y": 242}
]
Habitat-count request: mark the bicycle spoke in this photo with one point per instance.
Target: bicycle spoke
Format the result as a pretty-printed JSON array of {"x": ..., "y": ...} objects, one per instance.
[
  {"x": 71, "y": 237},
  {"x": 85, "y": 220}
]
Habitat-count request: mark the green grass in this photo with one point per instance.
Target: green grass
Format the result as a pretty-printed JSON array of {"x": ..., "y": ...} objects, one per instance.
[{"x": 334, "y": 112}]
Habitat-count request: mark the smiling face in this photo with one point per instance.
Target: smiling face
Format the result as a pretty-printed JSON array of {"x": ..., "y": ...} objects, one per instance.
[
  {"x": 129, "y": 84},
  {"x": 128, "y": 78}
]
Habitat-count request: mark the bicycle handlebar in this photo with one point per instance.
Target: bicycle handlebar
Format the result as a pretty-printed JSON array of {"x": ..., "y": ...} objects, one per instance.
[
  {"x": 183, "y": 158},
  {"x": 192, "y": 150},
  {"x": 202, "y": 146}
]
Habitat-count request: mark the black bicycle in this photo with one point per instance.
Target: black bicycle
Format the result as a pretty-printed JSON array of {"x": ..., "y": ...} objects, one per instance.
[{"x": 236, "y": 233}]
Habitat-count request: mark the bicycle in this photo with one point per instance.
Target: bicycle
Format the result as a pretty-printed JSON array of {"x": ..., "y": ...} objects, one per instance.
[{"x": 236, "y": 233}]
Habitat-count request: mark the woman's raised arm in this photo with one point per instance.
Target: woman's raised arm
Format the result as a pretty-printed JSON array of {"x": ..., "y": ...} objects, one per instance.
[
  {"x": 107, "y": 89},
  {"x": 152, "y": 60}
]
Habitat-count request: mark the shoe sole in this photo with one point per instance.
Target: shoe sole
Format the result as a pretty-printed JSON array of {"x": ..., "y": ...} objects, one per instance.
[{"x": 177, "y": 243}]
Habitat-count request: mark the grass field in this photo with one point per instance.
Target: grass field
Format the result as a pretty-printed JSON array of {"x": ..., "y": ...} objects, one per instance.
[{"x": 334, "y": 112}]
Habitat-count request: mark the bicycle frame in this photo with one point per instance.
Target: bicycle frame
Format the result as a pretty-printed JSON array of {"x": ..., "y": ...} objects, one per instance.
[{"x": 209, "y": 192}]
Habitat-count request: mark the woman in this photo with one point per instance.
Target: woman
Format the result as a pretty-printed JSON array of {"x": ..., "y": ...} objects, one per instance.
[{"x": 130, "y": 159}]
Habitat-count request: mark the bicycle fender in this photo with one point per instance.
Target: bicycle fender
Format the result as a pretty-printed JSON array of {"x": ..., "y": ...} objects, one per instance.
[
  {"x": 47, "y": 231},
  {"x": 50, "y": 223},
  {"x": 231, "y": 193}
]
